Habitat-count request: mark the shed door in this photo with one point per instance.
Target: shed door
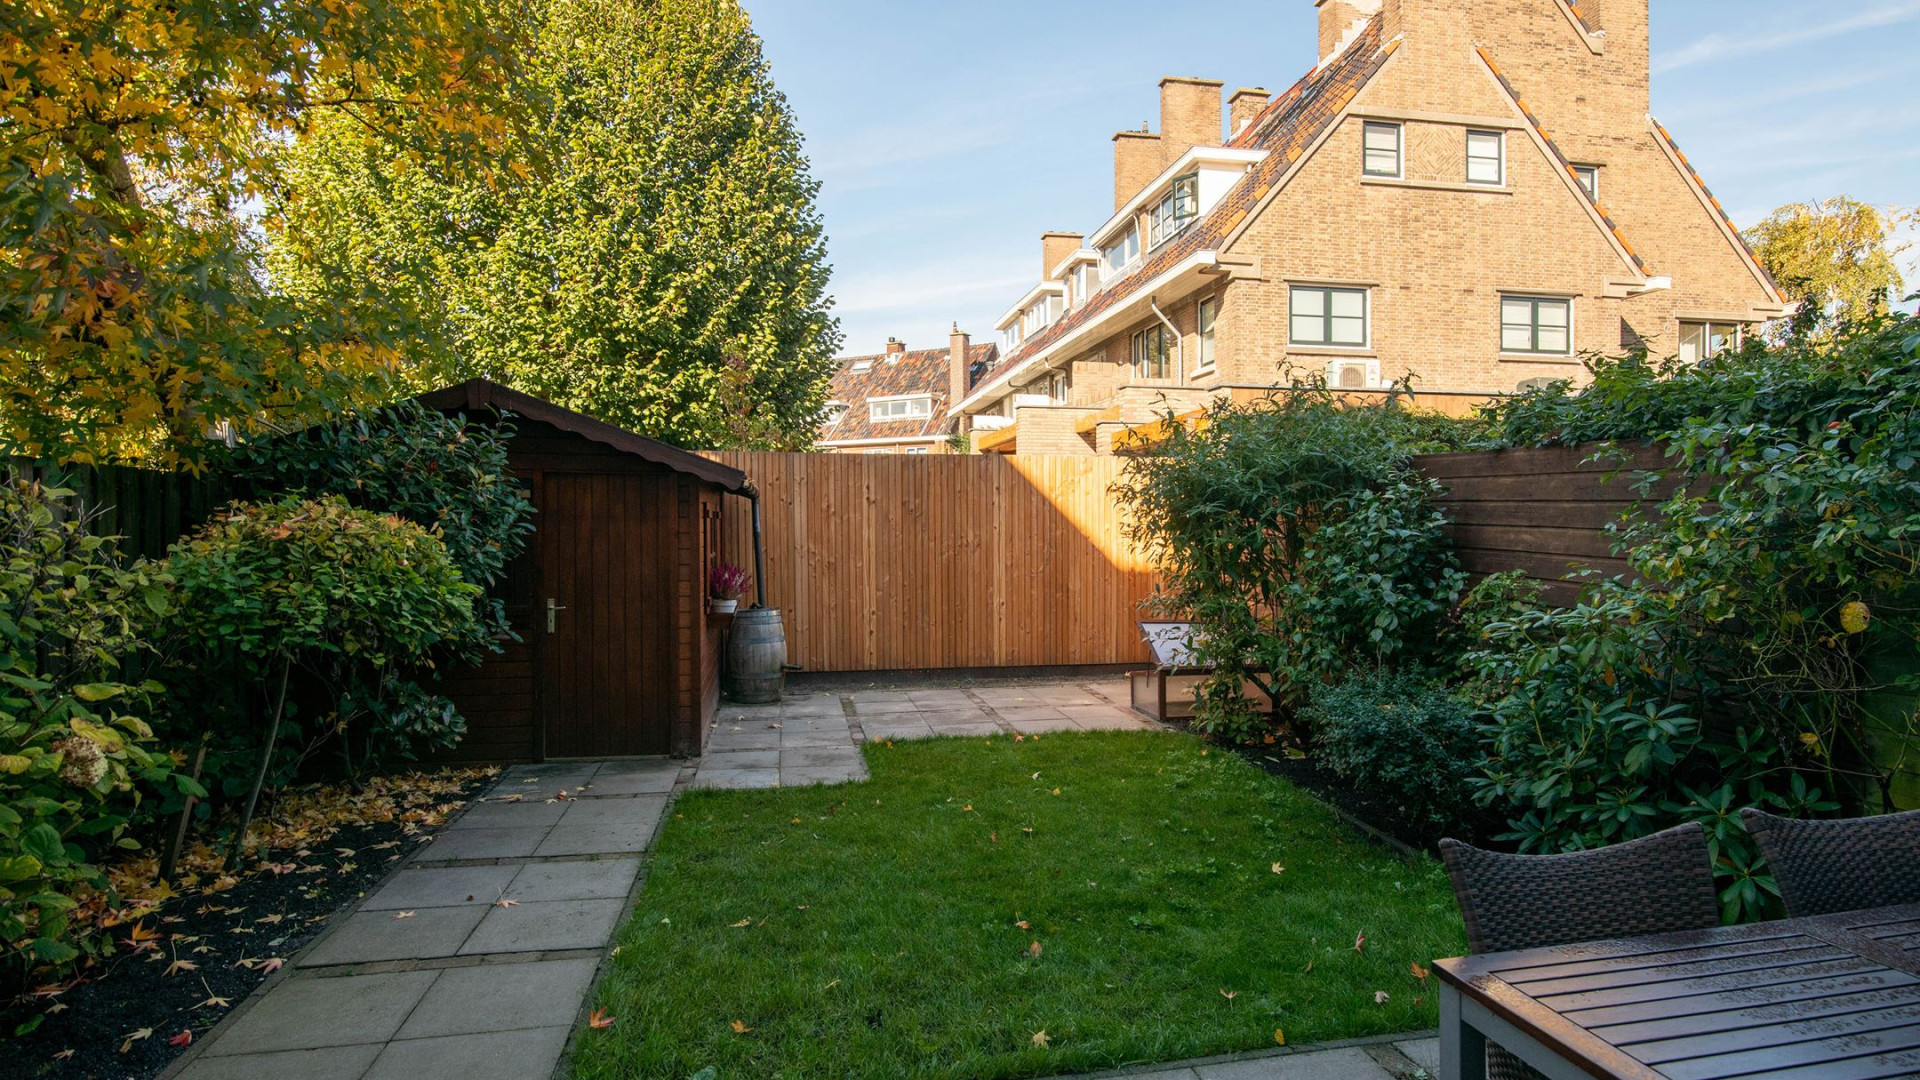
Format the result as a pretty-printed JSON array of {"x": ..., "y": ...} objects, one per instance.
[{"x": 606, "y": 619}]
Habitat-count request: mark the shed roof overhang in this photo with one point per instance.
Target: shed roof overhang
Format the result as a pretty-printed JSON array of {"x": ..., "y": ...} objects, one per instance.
[{"x": 475, "y": 395}]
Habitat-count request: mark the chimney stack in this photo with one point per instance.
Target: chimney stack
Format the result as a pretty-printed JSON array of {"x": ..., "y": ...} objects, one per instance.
[
  {"x": 894, "y": 348},
  {"x": 1337, "y": 18},
  {"x": 1245, "y": 104},
  {"x": 1055, "y": 246},
  {"x": 1136, "y": 160},
  {"x": 959, "y": 365},
  {"x": 1189, "y": 116}
]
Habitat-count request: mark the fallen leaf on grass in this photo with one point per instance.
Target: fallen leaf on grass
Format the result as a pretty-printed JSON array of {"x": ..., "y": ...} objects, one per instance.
[
  {"x": 185, "y": 1038},
  {"x": 599, "y": 1019},
  {"x": 1278, "y": 869},
  {"x": 1279, "y": 1037},
  {"x": 1229, "y": 994},
  {"x": 1022, "y": 924},
  {"x": 1418, "y": 971},
  {"x": 741, "y": 923},
  {"x": 1056, "y": 791},
  {"x": 1360, "y": 942},
  {"x": 830, "y": 986},
  {"x": 967, "y": 809},
  {"x": 740, "y": 1027},
  {"x": 1033, "y": 949},
  {"x": 1040, "y": 1039},
  {"x": 1379, "y": 997}
]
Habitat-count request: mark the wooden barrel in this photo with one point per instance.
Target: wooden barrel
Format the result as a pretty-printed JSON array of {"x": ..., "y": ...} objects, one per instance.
[{"x": 756, "y": 657}]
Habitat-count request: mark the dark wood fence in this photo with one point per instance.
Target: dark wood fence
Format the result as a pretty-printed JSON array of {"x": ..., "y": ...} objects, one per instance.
[
  {"x": 1542, "y": 511},
  {"x": 148, "y": 508}
]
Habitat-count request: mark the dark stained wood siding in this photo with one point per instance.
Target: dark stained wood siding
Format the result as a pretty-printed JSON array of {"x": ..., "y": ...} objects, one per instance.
[{"x": 1543, "y": 511}]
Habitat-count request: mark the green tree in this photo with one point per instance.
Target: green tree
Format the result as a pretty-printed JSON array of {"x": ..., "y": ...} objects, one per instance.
[
  {"x": 1835, "y": 258},
  {"x": 134, "y": 136},
  {"x": 655, "y": 259}
]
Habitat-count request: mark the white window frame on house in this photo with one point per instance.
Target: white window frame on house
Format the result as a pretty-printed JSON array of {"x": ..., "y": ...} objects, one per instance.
[
  {"x": 1116, "y": 257},
  {"x": 1327, "y": 335},
  {"x": 1533, "y": 326},
  {"x": 1206, "y": 313},
  {"x": 916, "y": 449},
  {"x": 1698, "y": 335},
  {"x": 1044, "y": 312},
  {"x": 897, "y": 407},
  {"x": 1177, "y": 209},
  {"x": 1588, "y": 177},
  {"x": 1143, "y": 363},
  {"x": 835, "y": 410},
  {"x": 1083, "y": 281},
  {"x": 862, "y": 366},
  {"x": 1370, "y": 154},
  {"x": 1496, "y": 161}
]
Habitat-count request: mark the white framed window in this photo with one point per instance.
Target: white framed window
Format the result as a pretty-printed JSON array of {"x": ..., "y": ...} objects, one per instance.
[
  {"x": 1486, "y": 157},
  {"x": 1204, "y": 314},
  {"x": 1115, "y": 256},
  {"x": 1326, "y": 315},
  {"x": 1703, "y": 340},
  {"x": 863, "y": 365},
  {"x": 876, "y": 451},
  {"x": 916, "y": 450},
  {"x": 1011, "y": 337},
  {"x": 881, "y": 410},
  {"x": 1152, "y": 353},
  {"x": 835, "y": 410},
  {"x": 1380, "y": 149},
  {"x": 1056, "y": 386},
  {"x": 1084, "y": 279},
  {"x": 1042, "y": 314},
  {"x": 1536, "y": 324},
  {"x": 1589, "y": 178},
  {"x": 1176, "y": 210}
]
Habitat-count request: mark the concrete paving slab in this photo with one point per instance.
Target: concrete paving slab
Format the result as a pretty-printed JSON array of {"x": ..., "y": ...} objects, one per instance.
[
  {"x": 821, "y": 705},
  {"x": 940, "y": 699},
  {"x": 330, "y": 1063},
  {"x": 586, "y": 879},
  {"x": 1164, "y": 1074},
  {"x": 480, "y": 843},
  {"x": 1422, "y": 1052},
  {"x": 370, "y": 936},
  {"x": 1042, "y": 727},
  {"x": 525, "y": 814},
  {"x": 1015, "y": 714},
  {"x": 955, "y": 715},
  {"x": 303, "y": 1013},
  {"x": 883, "y": 708},
  {"x": 504, "y": 1055},
  {"x": 820, "y": 757},
  {"x": 445, "y": 886},
  {"x": 556, "y": 924},
  {"x": 1345, "y": 1063},
  {"x": 796, "y": 739},
  {"x": 543, "y": 784},
  {"x": 598, "y": 839},
  {"x": 743, "y": 739},
  {"x": 635, "y": 778},
  {"x": 501, "y": 997},
  {"x": 738, "y": 779},
  {"x": 630, "y": 810},
  {"x": 965, "y": 730},
  {"x": 740, "y": 759}
]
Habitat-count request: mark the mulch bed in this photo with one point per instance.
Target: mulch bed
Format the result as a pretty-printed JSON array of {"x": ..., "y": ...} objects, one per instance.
[{"x": 178, "y": 968}]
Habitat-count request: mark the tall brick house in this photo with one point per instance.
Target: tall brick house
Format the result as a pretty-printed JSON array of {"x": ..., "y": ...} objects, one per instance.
[
  {"x": 1470, "y": 193},
  {"x": 898, "y": 401}
]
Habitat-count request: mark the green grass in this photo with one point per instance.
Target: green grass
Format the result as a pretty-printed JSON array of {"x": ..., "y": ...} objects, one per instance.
[{"x": 882, "y": 935}]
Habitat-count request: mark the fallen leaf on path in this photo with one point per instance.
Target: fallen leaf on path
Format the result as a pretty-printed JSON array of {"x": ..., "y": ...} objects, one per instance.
[
  {"x": 404, "y": 915},
  {"x": 506, "y": 903}
]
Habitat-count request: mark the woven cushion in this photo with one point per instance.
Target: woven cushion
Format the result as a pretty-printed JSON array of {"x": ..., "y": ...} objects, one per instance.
[{"x": 1841, "y": 864}]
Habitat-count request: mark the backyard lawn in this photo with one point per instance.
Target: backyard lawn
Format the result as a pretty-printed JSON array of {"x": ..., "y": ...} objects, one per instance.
[{"x": 992, "y": 908}]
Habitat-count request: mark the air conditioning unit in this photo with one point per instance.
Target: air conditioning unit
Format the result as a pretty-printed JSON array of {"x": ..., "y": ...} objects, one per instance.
[{"x": 1355, "y": 374}]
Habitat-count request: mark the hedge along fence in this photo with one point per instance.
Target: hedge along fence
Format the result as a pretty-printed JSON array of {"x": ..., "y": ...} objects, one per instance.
[
  {"x": 1545, "y": 512},
  {"x": 148, "y": 508}
]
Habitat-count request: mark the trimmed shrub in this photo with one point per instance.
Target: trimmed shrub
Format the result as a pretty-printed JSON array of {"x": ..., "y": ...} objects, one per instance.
[{"x": 1401, "y": 739}]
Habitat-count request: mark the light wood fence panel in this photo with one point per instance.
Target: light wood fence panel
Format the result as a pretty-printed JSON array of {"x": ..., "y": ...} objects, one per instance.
[{"x": 887, "y": 562}]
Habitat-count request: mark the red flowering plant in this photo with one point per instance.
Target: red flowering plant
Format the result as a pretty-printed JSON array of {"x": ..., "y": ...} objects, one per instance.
[{"x": 726, "y": 582}]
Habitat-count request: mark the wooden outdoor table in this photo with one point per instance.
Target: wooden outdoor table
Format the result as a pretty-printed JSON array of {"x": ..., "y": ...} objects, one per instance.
[{"x": 1836, "y": 997}]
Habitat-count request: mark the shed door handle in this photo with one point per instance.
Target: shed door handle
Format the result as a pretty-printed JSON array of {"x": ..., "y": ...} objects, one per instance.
[{"x": 551, "y": 608}]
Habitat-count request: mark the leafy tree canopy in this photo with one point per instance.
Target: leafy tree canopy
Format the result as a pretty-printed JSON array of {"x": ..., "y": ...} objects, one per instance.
[
  {"x": 657, "y": 260},
  {"x": 135, "y": 137},
  {"x": 1836, "y": 258}
]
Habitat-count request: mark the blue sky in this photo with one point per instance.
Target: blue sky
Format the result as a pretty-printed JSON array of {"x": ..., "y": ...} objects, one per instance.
[{"x": 948, "y": 136}]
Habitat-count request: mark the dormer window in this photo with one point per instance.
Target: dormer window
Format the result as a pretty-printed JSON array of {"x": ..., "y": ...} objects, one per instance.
[
  {"x": 1175, "y": 211},
  {"x": 835, "y": 410},
  {"x": 863, "y": 365},
  {"x": 882, "y": 410},
  {"x": 1084, "y": 279},
  {"x": 1115, "y": 257}
]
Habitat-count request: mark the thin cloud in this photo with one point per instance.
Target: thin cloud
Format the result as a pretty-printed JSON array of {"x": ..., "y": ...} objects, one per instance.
[{"x": 1720, "y": 46}]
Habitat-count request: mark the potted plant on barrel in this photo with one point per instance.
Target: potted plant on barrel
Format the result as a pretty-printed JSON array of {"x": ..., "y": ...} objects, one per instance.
[{"x": 726, "y": 584}]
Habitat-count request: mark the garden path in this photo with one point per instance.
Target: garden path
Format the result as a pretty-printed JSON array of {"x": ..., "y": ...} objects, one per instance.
[{"x": 474, "y": 960}]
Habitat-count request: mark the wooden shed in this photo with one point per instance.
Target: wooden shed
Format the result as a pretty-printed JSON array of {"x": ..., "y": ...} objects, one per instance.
[{"x": 618, "y": 656}]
